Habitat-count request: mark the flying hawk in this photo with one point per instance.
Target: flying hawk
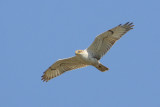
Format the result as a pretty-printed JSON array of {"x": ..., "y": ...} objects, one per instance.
[{"x": 89, "y": 56}]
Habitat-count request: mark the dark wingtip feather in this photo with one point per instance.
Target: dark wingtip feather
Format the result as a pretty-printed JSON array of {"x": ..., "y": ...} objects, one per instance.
[
  {"x": 128, "y": 25},
  {"x": 44, "y": 79}
]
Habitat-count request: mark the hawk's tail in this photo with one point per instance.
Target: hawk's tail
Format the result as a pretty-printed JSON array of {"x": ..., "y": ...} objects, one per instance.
[{"x": 102, "y": 68}]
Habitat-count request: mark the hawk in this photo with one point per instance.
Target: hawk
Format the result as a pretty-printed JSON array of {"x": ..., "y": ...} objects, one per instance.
[{"x": 89, "y": 56}]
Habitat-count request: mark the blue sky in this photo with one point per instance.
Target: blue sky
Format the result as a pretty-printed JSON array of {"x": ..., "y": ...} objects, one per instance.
[{"x": 36, "y": 33}]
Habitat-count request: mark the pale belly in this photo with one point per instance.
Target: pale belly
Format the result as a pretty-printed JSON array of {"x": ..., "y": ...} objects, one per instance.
[{"x": 89, "y": 60}]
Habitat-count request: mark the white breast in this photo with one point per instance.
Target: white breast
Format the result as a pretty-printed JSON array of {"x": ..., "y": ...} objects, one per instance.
[{"x": 87, "y": 58}]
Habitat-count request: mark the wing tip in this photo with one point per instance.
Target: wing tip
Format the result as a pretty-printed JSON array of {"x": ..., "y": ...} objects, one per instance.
[
  {"x": 47, "y": 75},
  {"x": 127, "y": 25},
  {"x": 44, "y": 79}
]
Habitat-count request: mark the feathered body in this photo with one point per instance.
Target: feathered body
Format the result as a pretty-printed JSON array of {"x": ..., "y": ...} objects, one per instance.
[{"x": 86, "y": 57}]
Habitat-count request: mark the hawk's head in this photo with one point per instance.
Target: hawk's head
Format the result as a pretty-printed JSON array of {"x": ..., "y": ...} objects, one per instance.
[{"x": 77, "y": 52}]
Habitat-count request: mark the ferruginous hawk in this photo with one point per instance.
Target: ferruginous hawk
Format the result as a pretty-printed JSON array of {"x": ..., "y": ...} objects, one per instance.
[{"x": 89, "y": 56}]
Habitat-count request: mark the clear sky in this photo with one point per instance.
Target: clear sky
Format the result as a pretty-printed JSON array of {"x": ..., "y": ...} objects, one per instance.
[{"x": 36, "y": 33}]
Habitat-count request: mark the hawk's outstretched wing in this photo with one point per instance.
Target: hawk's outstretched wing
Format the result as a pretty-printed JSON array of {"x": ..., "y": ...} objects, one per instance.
[
  {"x": 105, "y": 41},
  {"x": 61, "y": 66}
]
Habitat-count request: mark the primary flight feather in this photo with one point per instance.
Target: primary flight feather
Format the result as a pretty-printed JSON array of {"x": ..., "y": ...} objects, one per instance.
[{"x": 89, "y": 56}]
